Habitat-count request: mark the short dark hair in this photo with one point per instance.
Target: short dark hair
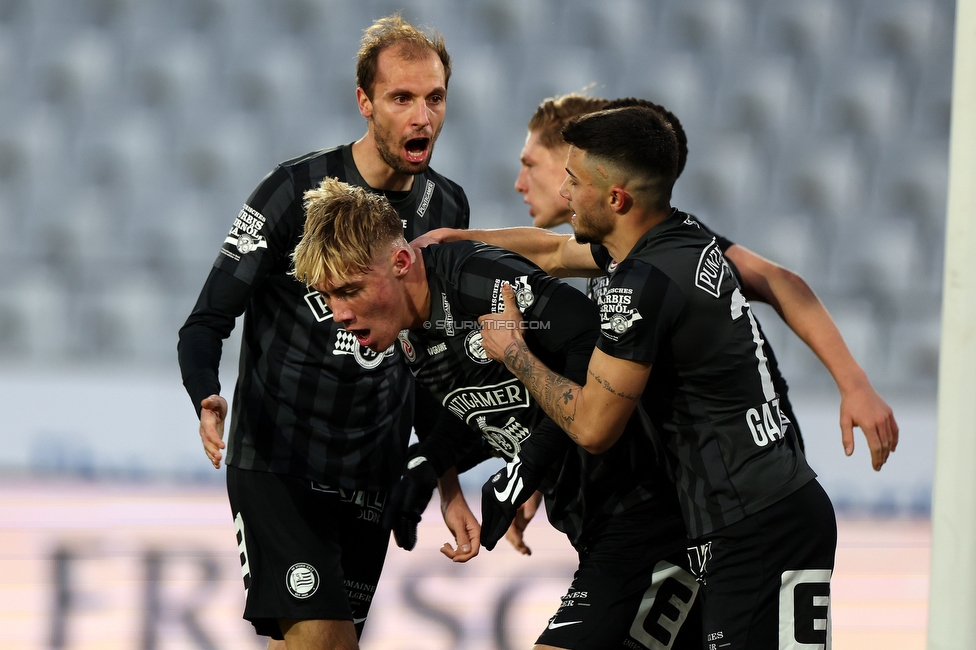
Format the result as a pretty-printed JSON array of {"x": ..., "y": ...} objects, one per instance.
[
  {"x": 636, "y": 139},
  {"x": 392, "y": 31},
  {"x": 679, "y": 131}
]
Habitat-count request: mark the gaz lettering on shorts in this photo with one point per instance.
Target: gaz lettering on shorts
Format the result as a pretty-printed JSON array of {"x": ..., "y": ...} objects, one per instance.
[
  {"x": 664, "y": 607},
  {"x": 302, "y": 580},
  {"x": 245, "y": 234},
  {"x": 804, "y": 610}
]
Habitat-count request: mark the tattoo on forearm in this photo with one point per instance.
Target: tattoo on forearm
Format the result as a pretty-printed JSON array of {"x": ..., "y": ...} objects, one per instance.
[
  {"x": 607, "y": 387},
  {"x": 555, "y": 393}
]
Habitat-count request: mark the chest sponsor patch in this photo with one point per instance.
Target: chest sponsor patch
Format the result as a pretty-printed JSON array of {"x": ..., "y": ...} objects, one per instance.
[
  {"x": 316, "y": 302},
  {"x": 425, "y": 202},
  {"x": 524, "y": 296},
  {"x": 471, "y": 401},
  {"x": 617, "y": 312},
  {"x": 245, "y": 235},
  {"x": 711, "y": 270},
  {"x": 346, "y": 343}
]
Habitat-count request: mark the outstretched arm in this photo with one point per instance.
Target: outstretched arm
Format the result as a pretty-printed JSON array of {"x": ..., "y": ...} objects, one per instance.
[
  {"x": 799, "y": 307},
  {"x": 557, "y": 254}
]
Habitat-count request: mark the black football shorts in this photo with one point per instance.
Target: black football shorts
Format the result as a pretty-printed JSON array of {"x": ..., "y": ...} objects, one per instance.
[
  {"x": 632, "y": 590},
  {"x": 766, "y": 579},
  {"x": 308, "y": 551}
]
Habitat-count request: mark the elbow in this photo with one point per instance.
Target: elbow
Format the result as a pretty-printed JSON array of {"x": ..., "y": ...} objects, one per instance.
[{"x": 598, "y": 441}]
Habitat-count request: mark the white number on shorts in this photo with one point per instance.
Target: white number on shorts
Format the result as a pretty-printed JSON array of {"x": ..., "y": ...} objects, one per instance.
[
  {"x": 804, "y": 610},
  {"x": 664, "y": 607}
]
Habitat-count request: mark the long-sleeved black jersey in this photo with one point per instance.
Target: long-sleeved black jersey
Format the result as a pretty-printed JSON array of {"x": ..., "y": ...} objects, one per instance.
[
  {"x": 582, "y": 490},
  {"x": 309, "y": 400}
]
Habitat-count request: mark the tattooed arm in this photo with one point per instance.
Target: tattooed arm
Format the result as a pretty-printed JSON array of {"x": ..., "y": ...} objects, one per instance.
[{"x": 594, "y": 414}]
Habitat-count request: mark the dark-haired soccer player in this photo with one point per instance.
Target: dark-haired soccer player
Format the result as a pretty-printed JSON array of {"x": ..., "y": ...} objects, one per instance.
[
  {"x": 678, "y": 337},
  {"x": 761, "y": 279},
  {"x": 632, "y": 588},
  {"x": 321, "y": 421}
]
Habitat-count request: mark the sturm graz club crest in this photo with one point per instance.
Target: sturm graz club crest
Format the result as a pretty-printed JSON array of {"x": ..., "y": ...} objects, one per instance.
[
  {"x": 473, "y": 346},
  {"x": 302, "y": 580}
]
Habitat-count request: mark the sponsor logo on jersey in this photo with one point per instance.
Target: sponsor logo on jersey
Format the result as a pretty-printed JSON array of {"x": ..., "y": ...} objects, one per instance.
[
  {"x": 612, "y": 266},
  {"x": 245, "y": 234},
  {"x": 617, "y": 312},
  {"x": 471, "y": 401},
  {"x": 346, "y": 343},
  {"x": 437, "y": 348},
  {"x": 448, "y": 316},
  {"x": 424, "y": 202},
  {"x": 473, "y": 346},
  {"x": 506, "y": 439},
  {"x": 408, "y": 350},
  {"x": 302, "y": 580},
  {"x": 711, "y": 270},
  {"x": 524, "y": 297},
  {"x": 316, "y": 302}
]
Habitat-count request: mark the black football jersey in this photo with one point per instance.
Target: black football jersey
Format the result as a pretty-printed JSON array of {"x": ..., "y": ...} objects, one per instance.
[
  {"x": 674, "y": 302},
  {"x": 309, "y": 401},
  {"x": 595, "y": 287},
  {"x": 446, "y": 356}
]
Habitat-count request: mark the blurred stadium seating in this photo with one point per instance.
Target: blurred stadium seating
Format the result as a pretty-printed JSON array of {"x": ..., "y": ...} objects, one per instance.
[
  {"x": 134, "y": 129},
  {"x": 131, "y": 131}
]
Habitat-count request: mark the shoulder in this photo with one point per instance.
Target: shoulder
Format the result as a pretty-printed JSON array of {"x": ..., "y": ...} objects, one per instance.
[{"x": 442, "y": 182}]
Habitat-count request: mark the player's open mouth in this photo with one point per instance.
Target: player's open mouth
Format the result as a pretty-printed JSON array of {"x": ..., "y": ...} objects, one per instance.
[
  {"x": 416, "y": 149},
  {"x": 362, "y": 337}
]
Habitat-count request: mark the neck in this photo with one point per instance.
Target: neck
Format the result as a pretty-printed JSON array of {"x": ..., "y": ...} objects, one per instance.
[
  {"x": 630, "y": 228},
  {"x": 418, "y": 292},
  {"x": 374, "y": 170}
]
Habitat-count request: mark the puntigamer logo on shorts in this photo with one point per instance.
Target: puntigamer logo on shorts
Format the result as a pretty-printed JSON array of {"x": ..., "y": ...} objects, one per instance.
[{"x": 302, "y": 580}]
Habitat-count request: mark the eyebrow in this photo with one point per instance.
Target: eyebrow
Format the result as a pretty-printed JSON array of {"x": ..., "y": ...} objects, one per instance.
[{"x": 571, "y": 173}]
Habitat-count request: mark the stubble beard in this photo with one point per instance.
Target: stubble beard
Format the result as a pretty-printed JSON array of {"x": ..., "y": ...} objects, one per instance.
[{"x": 390, "y": 152}]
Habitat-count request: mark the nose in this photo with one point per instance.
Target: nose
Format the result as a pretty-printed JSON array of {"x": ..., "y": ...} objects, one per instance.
[
  {"x": 521, "y": 184},
  {"x": 563, "y": 189},
  {"x": 421, "y": 114},
  {"x": 341, "y": 313}
]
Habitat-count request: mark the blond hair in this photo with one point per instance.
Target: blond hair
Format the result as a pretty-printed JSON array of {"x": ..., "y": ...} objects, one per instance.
[
  {"x": 345, "y": 226},
  {"x": 392, "y": 31},
  {"x": 555, "y": 112}
]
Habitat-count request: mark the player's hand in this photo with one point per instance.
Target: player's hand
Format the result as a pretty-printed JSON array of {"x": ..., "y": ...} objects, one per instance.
[
  {"x": 213, "y": 412},
  {"x": 463, "y": 525},
  {"x": 516, "y": 532},
  {"x": 498, "y": 331},
  {"x": 501, "y": 497},
  {"x": 408, "y": 501},
  {"x": 861, "y": 406}
]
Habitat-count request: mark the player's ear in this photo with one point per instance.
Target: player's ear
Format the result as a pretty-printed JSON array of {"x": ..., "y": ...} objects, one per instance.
[
  {"x": 402, "y": 261},
  {"x": 619, "y": 199},
  {"x": 365, "y": 104}
]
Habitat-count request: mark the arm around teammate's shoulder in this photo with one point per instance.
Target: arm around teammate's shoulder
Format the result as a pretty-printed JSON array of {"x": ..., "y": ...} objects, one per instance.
[{"x": 556, "y": 254}]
